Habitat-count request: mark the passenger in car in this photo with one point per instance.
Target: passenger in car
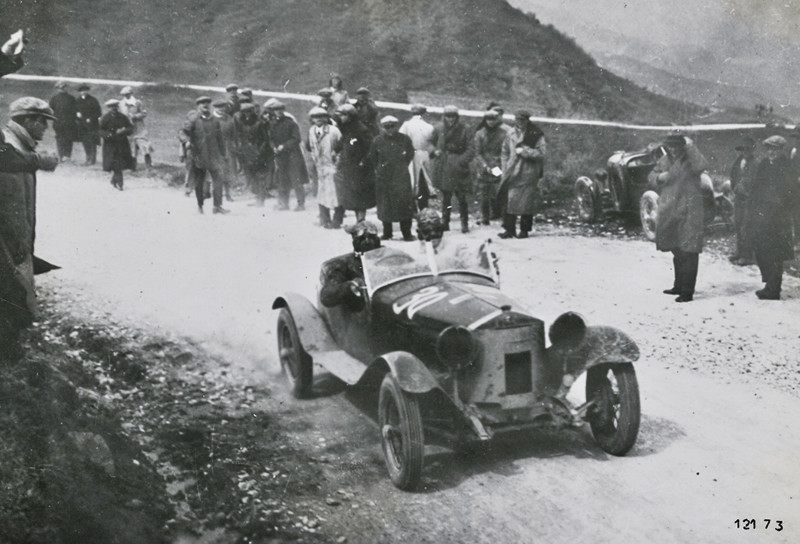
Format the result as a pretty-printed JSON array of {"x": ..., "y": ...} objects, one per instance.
[{"x": 342, "y": 278}]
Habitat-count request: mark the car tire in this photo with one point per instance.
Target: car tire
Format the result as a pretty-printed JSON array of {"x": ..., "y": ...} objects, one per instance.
[
  {"x": 296, "y": 364},
  {"x": 648, "y": 214},
  {"x": 616, "y": 414},
  {"x": 402, "y": 436},
  {"x": 586, "y": 200}
]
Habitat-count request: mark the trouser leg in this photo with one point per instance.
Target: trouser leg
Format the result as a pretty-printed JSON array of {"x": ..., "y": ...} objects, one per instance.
[
  {"x": 510, "y": 223},
  {"x": 447, "y": 198},
  {"x": 463, "y": 211},
  {"x": 775, "y": 278},
  {"x": 299, "y": 191},
  {"x": 217, "y": 182},
  {"x": 487, "y": 202},
  {"x": 324, "y": 215},
  {"x": 338, "y": 216},
  {"x": 361, "y": 214},
  {"x": 64, "y": 145},
  {"x": 677, "y": 268},
  {"x": 387, "y": 229},
  {"x": 405, "y": 228},
  {"x": 423, "y": 195},
  {"x": 116, "y": 178},
  {"x": 198, "y": 175},
  {"x": 525, "y": 223},
  {"x": 691, "y": 265},
  {"x": 284, "y": 190}
]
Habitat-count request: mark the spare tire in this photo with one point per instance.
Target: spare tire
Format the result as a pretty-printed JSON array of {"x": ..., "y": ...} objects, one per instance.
[
  {"x": 648, "y": 214},
  {"x": 585, "y": 198}
]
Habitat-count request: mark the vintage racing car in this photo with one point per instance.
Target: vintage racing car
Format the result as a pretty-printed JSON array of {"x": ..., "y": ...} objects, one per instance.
[
  {"x": 454, "y": 357},
  {"x": 623, "y": 187}
]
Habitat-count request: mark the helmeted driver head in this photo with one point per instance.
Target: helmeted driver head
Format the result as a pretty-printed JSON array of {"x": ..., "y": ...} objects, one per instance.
[
  {"x": 365, "y": 236},
  {"x": 429, "y": 225}
]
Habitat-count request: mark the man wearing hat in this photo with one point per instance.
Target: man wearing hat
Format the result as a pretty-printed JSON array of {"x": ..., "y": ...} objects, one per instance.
[
  {"x": 367, "y": 111},
  {"x": 488, "y": 144},
  {"x": 742, "y": 172},
  {"x": 769, "y": 219},
  {"x": 355, "y": 182},
  {"x": 390, "y": 154},
  {"x": 342, "y": 278},
  {"x": 247, "y": 97},
  {"x": 115, "y": 127},
  {"x": 290, "y": 166},
  {"x": 133, "y": 108},
  {"x": 202, "y": 135},
  {"x": 88, "y": 114},
  {"x": 228, "y": 128},
  {"x": 28, "y": 123},
  {"x": 233, "y": 98},
  {"x": 65, "y": 108},
  {"x": 421, "y": 134},
  {"x": 451, "y": 166},
  {"x": 680, "y": 225},
  {"x": 326, "y": 100},
  {"x": 323, "y": 138},
  {"x": 255, "y": 151}
]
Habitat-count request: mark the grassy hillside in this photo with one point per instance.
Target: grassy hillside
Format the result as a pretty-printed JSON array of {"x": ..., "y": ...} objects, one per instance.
[{"x": 477, "y": 49}]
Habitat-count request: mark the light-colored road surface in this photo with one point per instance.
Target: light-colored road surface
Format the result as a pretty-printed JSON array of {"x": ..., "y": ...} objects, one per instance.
[{"x": 718, "y": 377}]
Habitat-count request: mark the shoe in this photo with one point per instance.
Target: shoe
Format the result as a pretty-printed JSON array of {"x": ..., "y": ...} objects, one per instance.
[
  {"x": 523, "y": 234},
  {"x": 684, "y": 298},
  {"x": 386, "y": 237},
  {"x": 465, "y": 230},
  {"x": 228, "y": 198},
  {"x": 746, "y": 262},
  {"x": 409, "y": 238},
  {"x": 282, "y": 207},
  {"x": 220, "y": 209},
  {"x": 119, "y": 186},
  {"x": 485, "y": 222},
  {"x": 326, "y": 226},
  {"x": 335, "y": 226},
  {"x": 199, "y": 209},
  {"x": 299, "y": 208},
  {"x": 763, "y": 294},
  {"x": 672, "y": 291},
  {"x": 505, "y": 235}
]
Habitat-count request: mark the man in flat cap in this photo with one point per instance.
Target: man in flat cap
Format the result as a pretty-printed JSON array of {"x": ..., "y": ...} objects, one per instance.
[
  {"x": 421, "y": 133},
  {"x": 133, "y": 108},
  {"x": 488, "y": 148},
  {"x": 247, "y": 96},
  {"x": 367, "y": 111},
  {"x": 65, "y": 126},
  {"x": 228, "y": 127},
  {"x": 451, "y": 157},
  {"x": 290, "y": 166},
  {"x": 323, "y": 138},
  {"x": 233, "y": 98},
  {"x": 28, "y": 123},
  {"x": 742, "y": 171},
  {"x": 255, "y": 151},
  {"x": 390, "y": 154},
  {"x": 115, "y": 127},
  {"x": 355, "y": 180},
  {"x": 88, "y": 114},
  {"x": 769, "y": 215},
  {"x": 680, "y": 225},
  {"x": 202, "y": 134},
  {"x": 326, "y": 100},
  {"x": 342, "y": 278}
]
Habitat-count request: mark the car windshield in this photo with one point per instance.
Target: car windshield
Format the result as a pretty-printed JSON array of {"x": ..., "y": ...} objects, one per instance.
[{"x": 386, "y": 265}]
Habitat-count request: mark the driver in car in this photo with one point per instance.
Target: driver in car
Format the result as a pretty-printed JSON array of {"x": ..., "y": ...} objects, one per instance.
[{"x": 342, "y": 277}]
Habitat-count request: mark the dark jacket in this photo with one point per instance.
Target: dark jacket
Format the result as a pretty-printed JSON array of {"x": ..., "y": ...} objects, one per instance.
[
  {"x": 290, "y": 166},
  {"x": 335, "y": 276},
  {"x": 65, "y": 108},
  {"x": 89, "y": 120},
  {"x": 204, "y": 133},
  {"x": 253, "y": 144},
  {"x": 355, "y": 182},
  {"x": 522, "y": 158},
  {"x": 488, "y": 148},
  {"x": 368, "y": 115},
  {"x": 742, "y": 176},
  {"x": 451, "y": 166},
  {"x": 769, "y": 209},
  {"x": 10, "y": 65},
  {"x": 116, "y": 148},
  {"x": 390, "y": 157}
]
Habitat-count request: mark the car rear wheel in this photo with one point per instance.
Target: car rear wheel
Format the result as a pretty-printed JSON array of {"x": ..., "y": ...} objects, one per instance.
[
  {"x": 296, "y": 364},
  {"x": 586, "y": 200},
  {"x": 614, "y": 418},
  {"x": 402, "y": 435},
  {"x": 648, "y": 214}
]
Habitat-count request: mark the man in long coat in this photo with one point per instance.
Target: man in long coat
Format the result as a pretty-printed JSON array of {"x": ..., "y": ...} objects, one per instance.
[
  {"x": 367, "y": 110},
  {"x": 228, "y": 127},
  {"x": 254, "y": 151},
  {"x": 88, "y": 113},
  {"x": 290, "y": 166},
  {"x": 202, "y": 135},
  {"x": 488, "y": 148},
  {"x": 451, "y": 155},
  {"x": 355, "y": 182},
  {"x": 390, "y": 155},
  {"x": 134, "y": 109},
  {"x": 680, "y": 225},
  {"x": 742, "y": 171},
  {"x": 522, "y": 162},
  {"x": 769, "y": 222},
  {"x": 323, "y": 138},
  {"x": 421, "y": 133},
  {"x": 26, "y": 128},
  {"x": 65, "y": 108},
  {"x": 115, "y": 127}
]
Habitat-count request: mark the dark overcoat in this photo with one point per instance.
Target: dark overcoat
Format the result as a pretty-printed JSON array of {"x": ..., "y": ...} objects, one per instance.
[
  {"x": 523, "y": 166},
  {"x": 390, "y": 156},
  {"x": 89, "y": 120},
  {"x": 116, "y": 148},
  {"x": 10, "y": 64},
  {"x": 451, "y": 166},
  {"x": 680, "y": 225},
  {"x": 769, "y": 221},
  {"x": 65, "y": 108},
  {"x": 253, "y": 144},
  {"x": 355, "y": 182},
  {"x": 204, "y": 133},
  {"x": 290, "y": 166}
]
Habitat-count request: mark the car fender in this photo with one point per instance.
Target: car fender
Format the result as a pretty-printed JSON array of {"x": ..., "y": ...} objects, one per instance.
[
  {"x": 598, "y": 345},
  {"x": 313, "y": 332},
  {"x": 409, "y": 371}
]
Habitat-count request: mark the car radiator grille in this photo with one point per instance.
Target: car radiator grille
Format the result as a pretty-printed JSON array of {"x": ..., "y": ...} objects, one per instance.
[{"x": 518, "y": 373}]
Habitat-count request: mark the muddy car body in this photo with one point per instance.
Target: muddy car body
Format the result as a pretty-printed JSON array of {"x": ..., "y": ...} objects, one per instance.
[{"x": 455, "y": 357}]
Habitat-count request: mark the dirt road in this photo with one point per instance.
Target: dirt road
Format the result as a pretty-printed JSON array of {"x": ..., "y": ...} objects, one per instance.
[{"x": 719, "y": 377}]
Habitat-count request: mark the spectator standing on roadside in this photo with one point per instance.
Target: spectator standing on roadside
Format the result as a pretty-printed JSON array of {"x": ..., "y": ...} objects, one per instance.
[
  {"x": 367, "y": 111},
  {"x": 88, "y": 114},
  {"x": 390, "y": 154},
  {"x": 115, "y": 127},
  {"x": 233, "y": 98},
  {"x": 326, "y": 100},
  {"x": 228, "y": 127},
  {"x": 339, "y": 94},
  {"x": 769, "y": 222},
  {"x": 451, "y": 156},
  {"x": 65, "y": 108},
  {"x": 290, "y": 166},
  {"x": 421, "y": 133},
  {"x": 488, "y": 148},
  {"x": 133, "y": 108},
  {"x": 255, "y": 151},
  {"x": 742, "y": 172},
  {"x": 680, "y": 226},
  {"x": 355, "y": 183},
  {"x": 202, "y": 135},
  {"x": 247, "y": 97},
  {"x": 323, "y": 138},
  {"x": 28, "y": 123},
  {"x": 522, "y": 159}
]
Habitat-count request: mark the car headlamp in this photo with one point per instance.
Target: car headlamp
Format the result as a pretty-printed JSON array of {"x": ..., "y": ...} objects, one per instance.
[
  {"x": 456, "y": 347},
  {"x": 568, "y": 329}
]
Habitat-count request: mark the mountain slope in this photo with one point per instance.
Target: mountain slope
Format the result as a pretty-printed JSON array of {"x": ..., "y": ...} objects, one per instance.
[{"x": 482, "y": 49}]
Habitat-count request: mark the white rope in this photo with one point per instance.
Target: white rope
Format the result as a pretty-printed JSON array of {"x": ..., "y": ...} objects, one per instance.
[{"x": 407, "y": 107}]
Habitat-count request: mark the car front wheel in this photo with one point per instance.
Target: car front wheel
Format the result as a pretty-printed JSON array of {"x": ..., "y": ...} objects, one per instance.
[
  {"x": 296, "y": 364},
  {"x": 586, "y": 200},
  {"x": 402, "y": 435},
  {"x": 614, "y": 417},
  {"x": 648, "y": 213}
]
